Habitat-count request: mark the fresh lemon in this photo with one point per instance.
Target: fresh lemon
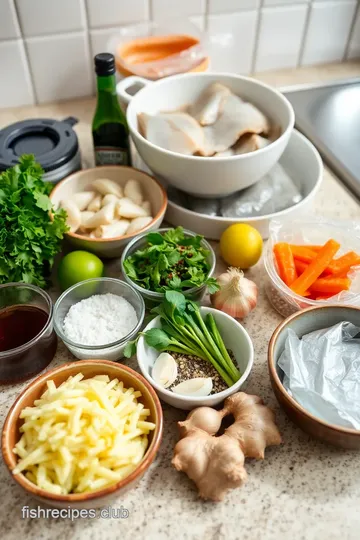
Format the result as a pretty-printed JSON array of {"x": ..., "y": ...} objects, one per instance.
[
  {"x": 78, "y": 266},
  {"x": 241, "y": 245}
]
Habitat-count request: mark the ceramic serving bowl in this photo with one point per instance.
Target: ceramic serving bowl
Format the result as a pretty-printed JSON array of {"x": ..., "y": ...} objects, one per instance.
[
  {"x": 85, "y": 289},
  {"x": 205, "y": 176},
  {"x": 89, "y": 368},
  {"x": 153, "y": 297},
  {"x": 302, "y": 323},
  {"x": 81, "y": 180},
  {"x": 298, "y": 151},
  {"x": 235, "y": 338}
]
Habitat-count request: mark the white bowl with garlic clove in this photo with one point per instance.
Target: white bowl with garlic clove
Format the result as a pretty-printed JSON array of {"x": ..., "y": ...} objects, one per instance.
[
  {"x": 236, "y": 340},
  {"x": 201, "y": 149}
]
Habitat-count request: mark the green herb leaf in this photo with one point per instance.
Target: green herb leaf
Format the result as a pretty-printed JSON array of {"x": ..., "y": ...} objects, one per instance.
[
  {"x": 130, "y": 348},
  {"x": 29, "y": 238},
  {"x": 155, "y": 238},
  {"x": 212, "y": 285},
  {"x": 157, "y": 338}
]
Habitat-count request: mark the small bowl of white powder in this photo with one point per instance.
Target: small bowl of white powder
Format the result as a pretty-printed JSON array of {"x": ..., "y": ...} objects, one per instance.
[{"x": 97, "y": 317}]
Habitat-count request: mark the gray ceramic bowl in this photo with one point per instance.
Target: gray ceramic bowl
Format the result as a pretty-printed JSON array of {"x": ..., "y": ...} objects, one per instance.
[
  {"x": 302, "y": 323},
  {"x": 151, "y": 297}
]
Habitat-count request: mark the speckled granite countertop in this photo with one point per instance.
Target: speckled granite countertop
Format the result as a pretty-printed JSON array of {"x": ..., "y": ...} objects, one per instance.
[{"x": 303, "y": 490}]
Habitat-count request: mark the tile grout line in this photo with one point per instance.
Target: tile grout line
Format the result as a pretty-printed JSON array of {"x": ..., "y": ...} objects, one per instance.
[
  {"x": 351, "y": 31},
  {"x": 256, "y": 38},
  {"x": 304, "y": 36},
  {"x": 206, "y": 17},
  {"x": 29, "y": 74},
  {"x": 150, "y": 10},
  {"x": 85, "y": 15}
]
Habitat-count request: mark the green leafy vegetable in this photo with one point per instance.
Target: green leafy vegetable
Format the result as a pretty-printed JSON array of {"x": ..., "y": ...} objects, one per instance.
[
  {"x": 171, "y": 261},
  {"x": 29, "y": 239},
  {"x": 183, "y": 330}
]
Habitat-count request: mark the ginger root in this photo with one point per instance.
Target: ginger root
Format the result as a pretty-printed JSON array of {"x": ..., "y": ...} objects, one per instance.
[{"x": 216, "y": 464}]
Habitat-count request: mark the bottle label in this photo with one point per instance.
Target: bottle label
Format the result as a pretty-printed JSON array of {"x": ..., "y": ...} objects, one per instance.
[{"x": 110, "y": 155}]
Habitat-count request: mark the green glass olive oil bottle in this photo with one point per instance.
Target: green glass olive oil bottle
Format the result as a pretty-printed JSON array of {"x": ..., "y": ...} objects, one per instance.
[{"x": 109, "y": 127}]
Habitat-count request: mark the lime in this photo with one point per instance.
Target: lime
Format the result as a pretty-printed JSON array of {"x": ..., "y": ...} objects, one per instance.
[
  {"x": 78, "y": 266},
  {"x": 241, "y": 245}
]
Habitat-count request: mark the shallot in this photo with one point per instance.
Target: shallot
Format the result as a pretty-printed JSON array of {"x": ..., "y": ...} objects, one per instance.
[{"x": 237, "y": 295}]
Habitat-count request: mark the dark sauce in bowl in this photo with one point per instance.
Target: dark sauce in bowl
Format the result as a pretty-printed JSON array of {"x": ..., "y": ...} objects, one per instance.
[{"x": 27, "y": 342}]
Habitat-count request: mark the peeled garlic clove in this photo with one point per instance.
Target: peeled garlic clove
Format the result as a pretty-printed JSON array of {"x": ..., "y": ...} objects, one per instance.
[
  {"x": 139, "y": 223},
  {"x": 146, "y": 205},
  {"x": 109, "y": 198},
  {"x": 85, "y": 216},
  {"x": 73, "y": 219},
  {"x": 102, "y": 217},
  {"x": 105, "y": 186},
  {"x": 83, "y": 199},
  {"x": 95, "y": 204},
  {"x": 132, "y": 190},
  {"x": 199, "y": 386},
  {"x": 164, "y": 371},
  {"x": 118, "y": 228},
  {"x": 128, "y": 209}
]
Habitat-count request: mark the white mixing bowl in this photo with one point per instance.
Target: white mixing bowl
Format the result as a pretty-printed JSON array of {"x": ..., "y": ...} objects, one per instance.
[{"x": 205, "y": 176}]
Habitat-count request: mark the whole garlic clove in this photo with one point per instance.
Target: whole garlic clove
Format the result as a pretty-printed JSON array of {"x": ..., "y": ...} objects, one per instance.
[
  {"x": 118, "y": 228},
  {"x": 133, "y": 191},
  {"x": 109, "y": 198},
  {"x": 83, "y": 199},
  {"x": 105, "y": 186},
  {"x": 128, "y": 209},
  {"x": 85, "y": 216},
  {"x": 73, "y": 219},
  {"x": 102, "y": 217},
  {"x": 139, "y": 223},
  {"x": 164, "y": 371},
  {"x": 95, "y": 204},
  {"x": 197, "y": 387},
  {"x": 146, "y": 205}
]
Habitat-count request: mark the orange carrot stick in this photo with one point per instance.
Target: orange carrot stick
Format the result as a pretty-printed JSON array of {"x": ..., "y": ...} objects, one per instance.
[
  {"x": 314, "y": 248},
  {"x": 316, "y": 267},
  {"x": 303, "y": 253},
  {"x": 331, "y": 286},
  {"x": 285, "y": 262},
  {"x": 300, "y": 266},
  {"x": 343, "y": 263}
]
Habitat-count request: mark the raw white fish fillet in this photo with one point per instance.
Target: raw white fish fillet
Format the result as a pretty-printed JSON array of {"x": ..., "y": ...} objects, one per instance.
[
  {"x": 246, "y": 144},
  {"x": 208, "y": 106},
  {"x": 177, "y": 132},
  {"x": 236, "y": 119}
]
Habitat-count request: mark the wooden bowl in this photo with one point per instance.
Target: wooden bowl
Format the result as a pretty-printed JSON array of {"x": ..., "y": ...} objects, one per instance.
[
  {"x": 303, "y": 322},
  {"x": 81, "y": 180},
  {"x": 89, "y": 368}
]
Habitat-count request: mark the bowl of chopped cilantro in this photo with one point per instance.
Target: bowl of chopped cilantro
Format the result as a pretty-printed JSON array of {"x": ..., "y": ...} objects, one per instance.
[{"x": 169, "y": 259}]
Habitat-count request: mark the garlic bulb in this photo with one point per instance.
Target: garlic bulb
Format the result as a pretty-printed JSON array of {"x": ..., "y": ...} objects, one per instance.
[{"x": 237, "y": 295}]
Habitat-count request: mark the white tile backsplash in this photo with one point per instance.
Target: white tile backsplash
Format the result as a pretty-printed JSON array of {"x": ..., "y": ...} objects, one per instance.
[
  {"x": 47, "y": 17},
  {"x": 328, "y": 31},
  {"x": 9, "y": 26},
  {"x": 354, "y": 44},
  {"x": 15, "y": 87},
  {"x": 222, "y": 6},
  {"x": 181, "y": 8},
  {"x": 280, "y": 36},
  {"x": 60, "y": 66},
  {"x": 46, "y": 46},
  {"x": 116, "y": 12},
  {"x": 231, "y": 41}
]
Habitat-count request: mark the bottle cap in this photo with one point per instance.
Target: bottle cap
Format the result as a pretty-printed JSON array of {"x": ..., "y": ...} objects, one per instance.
[{"x": 104, "y": 64}]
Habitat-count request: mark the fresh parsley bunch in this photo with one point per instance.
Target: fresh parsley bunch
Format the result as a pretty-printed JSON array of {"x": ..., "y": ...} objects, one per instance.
[
  {"x": 29, "y": 238},
  {"x": 171, "y": 261}
]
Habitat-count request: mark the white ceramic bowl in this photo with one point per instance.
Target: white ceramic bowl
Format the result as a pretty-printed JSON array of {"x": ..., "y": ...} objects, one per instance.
[
  {"x": 205, "y": 176},
  {"x": 308, "y": 180},
  {"x": 81, "y": 180},
  {"x": 235, "y": 338}
]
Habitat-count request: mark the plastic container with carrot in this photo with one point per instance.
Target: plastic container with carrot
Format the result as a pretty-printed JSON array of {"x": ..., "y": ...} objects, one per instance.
[{"x": 317, "y": 263}]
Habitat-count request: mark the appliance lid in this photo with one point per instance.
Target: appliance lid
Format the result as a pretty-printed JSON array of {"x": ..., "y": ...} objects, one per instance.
[{"x": 53, "y": 142}]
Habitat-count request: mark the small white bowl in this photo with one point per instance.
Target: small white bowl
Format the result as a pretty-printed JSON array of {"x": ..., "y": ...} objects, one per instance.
[{"x": 235, "y": 338}]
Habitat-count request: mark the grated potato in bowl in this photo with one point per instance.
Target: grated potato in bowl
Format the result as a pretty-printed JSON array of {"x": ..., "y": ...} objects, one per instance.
[{"x": 82, "y": 436}]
